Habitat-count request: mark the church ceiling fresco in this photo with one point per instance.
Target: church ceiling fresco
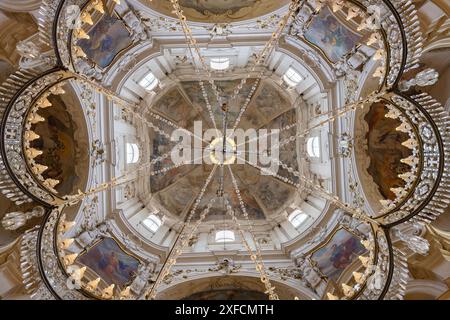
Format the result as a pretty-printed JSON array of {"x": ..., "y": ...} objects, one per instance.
[
  {"x": 252, "y": 204},
  {"x": 108, "y": 38},
  {"x": 271, "y": 194},
  {"x": 218, "y": 6},
  {"x": 268, "y": 110},
  {"x": 107, "y": 259},
  {"x": 329, "y": 35},
  {"x": 194, "y": 93},
  {"x": 270, "y": 102},
  {"x": 177, "y": 196},
  {"x": 334, "y": 257},
  {"x": 385, "y": 150},
  {"x": 174, "y": 106},
  {"x": 62, "y": 145},
  {"x": 220, "y": 10}
]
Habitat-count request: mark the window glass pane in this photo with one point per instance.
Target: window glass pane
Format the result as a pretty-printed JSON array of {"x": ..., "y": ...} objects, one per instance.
[
  {"x": 152, "y": 222},
  {"x": 313, "y": 147},
  {"x": 297, "y": 218},
  {"x": 132, "y": 153},
  {"x": 149, "y": 82},
  {"x": 220, "y": 63},
  {"x": 292, "y": 77},
  {"x": 224, "y": 236}
]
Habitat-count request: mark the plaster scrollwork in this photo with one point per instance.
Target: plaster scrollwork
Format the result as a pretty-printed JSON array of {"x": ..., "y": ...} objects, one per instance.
[
  {"x": 32, "y": 56},
  {"x": 88, "y": 69},
  {"x": 226, "y": 266},
  {"x": 88, "y": 237},
  {"x": 309, "y": 273},
  {"x": 143, "y": 279},
  {"x": 138, "y": 31},
  {"x": 154, "y": 24},
  {"x": 288, "y": 273},
  {"x": 301, "y": 21},
  {"x": 354, "y": 225}
]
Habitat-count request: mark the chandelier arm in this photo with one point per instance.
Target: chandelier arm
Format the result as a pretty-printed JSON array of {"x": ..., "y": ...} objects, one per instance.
[
  {"x": 373, "y": 97},
  {"x": 245, "y": 214},
  {"x": 177, "y": 165},
  {"x": 333, "y": 115},
  {"x": 202, "y": 86},
  {"x": 257, "y": 258},
  {"x": 356, "y": 212},
  {"x": 129, "y": 106},
  {"x": 178, "y": 246},
  {"x": 243, "y": 208},
  {"x": 73, "y": 199},
  {"x": 193, "y": 43},
  {"x": 270, "y": 46}
]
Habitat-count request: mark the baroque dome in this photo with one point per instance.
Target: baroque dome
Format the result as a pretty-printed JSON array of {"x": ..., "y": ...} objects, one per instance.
[{"x": 223, "y": 149}]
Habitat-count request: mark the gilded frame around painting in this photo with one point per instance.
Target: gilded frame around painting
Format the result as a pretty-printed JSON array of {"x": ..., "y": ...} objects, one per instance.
[
  {"x": 330, "y": 238},
  {"x": 120, "y": 53},
  {"x": 321, "y": 50},
  {"x": 120, "y": 246}
]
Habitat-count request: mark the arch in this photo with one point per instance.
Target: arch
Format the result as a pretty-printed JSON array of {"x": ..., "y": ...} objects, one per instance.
[
  {"x": 245, "y": 281},
  {"x": 424, "y": 290}
]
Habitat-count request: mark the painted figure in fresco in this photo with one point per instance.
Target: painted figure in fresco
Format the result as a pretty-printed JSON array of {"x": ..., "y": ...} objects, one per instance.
[
  {"x": 113, "y": 267},
  {"x": 217, "y": 6},
  {"x": 107, "y": 38},
  {"x": 334, "y": 35},
  {"x": 331, "y": 36},
  {"x": 342, "y": 254},
  {"x": 109, "y": 263},
  {"x": 104, "y": 42},
  {"x": 108, "y": 260}
]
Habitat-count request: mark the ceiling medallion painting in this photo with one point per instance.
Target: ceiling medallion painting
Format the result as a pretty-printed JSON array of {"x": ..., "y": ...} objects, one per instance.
[
  {"x": 214, "y": 164},
  {"x": 331, "y": 36},
  {"x": 219, "y": 11},
  {"x": 106, "y": 40}
]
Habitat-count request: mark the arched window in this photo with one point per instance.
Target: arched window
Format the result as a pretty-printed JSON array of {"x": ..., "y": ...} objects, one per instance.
[
  {"x": 292, "y": 77},
  {"x": 152, "y": 222},
  {"x": 132, "y": 153},
  {"x": 225, "y": 236},
  {"x": 297, "y": 218},
  {"x": 220, "y": 63},
  {"x": 149, "y": 82},
  {"x": 313, "y": 147}
]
